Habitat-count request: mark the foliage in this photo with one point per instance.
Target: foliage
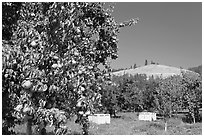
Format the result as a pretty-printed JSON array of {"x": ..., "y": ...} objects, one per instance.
[
  {"x": 52, "y": 61},
  {"x": 135, "y": 66},
  {"x": 10, "y": 15},
  {"x": 168, "y": 96},
  {"x": 146, "y": 63},
  {"x": 149, "y": 94},
  {"x": 130, "y": 93},
  {"x": 109, "y": 99},
  {"x": 10, "y": 87},
  {"x": 192, "y": 94},
  {"x": 165, "y": 96}
]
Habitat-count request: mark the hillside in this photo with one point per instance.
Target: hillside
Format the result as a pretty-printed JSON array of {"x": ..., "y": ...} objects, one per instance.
[
  {"x": 153, "y": 69},
  {"x": 197, "y": 69}
]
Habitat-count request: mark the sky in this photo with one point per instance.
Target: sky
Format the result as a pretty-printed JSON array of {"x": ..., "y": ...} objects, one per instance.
[{"x": 167, "y": 33}]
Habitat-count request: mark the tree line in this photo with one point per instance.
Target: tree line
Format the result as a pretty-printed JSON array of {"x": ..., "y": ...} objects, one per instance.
[{"x": 163, "y": 96}]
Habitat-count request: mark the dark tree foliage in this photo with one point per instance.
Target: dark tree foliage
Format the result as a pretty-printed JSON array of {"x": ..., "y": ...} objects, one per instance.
[
  {"x": 10, "y": 15},
  {"x": 109, "y": 100},
  {"x": 135, "y": 66},
  {"x": 133, "y": 93},
  {"x": 165, "y": 96},
  {"x": 192, "y": 95},
  {"x": 146, "y": 63}
]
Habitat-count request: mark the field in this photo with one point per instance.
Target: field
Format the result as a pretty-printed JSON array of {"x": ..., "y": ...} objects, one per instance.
[{"x": 128, "y": 124}]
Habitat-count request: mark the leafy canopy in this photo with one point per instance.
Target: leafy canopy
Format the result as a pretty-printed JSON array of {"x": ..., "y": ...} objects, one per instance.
[{"x": 53, "y": 57}]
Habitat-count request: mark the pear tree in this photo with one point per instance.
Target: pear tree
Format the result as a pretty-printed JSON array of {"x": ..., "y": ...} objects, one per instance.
[
  {"x": 50, "y": 66},
  {"x": 192, "y": 94},
  {"x": 168, "y": 97}
]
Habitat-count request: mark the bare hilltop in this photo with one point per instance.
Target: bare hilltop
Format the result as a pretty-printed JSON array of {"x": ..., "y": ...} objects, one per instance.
[{"x": 154, "y": 70}]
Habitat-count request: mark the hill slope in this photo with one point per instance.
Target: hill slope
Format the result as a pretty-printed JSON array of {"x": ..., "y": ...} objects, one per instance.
[
  {"x": 153, "y": 70},
  {"x": 197, "y": 69}
]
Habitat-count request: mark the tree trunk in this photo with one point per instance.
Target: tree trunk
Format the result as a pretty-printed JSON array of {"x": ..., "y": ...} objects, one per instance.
[
  {"x": 29, "y": 127},
  {"x": 193, "y": 116},
  {"x": 165, "y": 127},
  {"x": 42, "y": 128},
  {"x": 85, "y": 126},
  {"x": 42, "y": 131}
]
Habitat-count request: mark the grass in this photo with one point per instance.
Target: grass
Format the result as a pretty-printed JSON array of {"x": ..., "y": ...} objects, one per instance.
[{"x": 128, "y": 124}]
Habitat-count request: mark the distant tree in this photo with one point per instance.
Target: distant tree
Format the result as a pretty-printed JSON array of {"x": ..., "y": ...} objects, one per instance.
[
  {"x": 135, "y": 66},
  {"x": 146, "y": 63},
  {"x": 148, "y": 96},
  {"x": 152, "y": 62},
  {"x": 130, "y": 91},
  {"x": 137, "y": 93},
  {"x": 109, "y": 99},
  {"x": 167, "y": 97},
  {"x": 192, "y": 94}
]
